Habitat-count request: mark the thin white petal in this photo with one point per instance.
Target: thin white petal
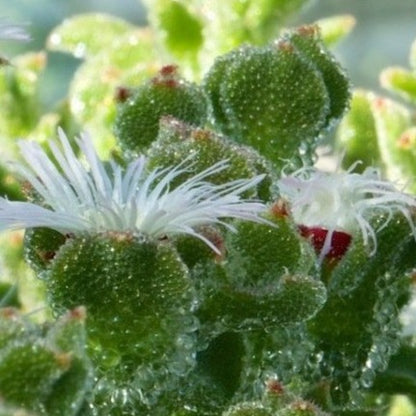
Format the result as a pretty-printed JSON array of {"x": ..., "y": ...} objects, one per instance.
[{"x": 91, "y": 197}]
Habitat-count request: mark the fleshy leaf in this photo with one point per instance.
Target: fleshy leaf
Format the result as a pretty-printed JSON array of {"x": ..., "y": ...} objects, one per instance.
[
  {"x": 137, "y": 122},
  {"x": 127, "y": 60},
  {"x": 278, "y": 99},
  {"x": 182, "y": 30},
  {"x": 401, "y": 81},
  {"x": 37, "y": 369},
  {"x": 308, "y": 41},
  {"x": 87, "y": 34},
  {"x": 392, "y": 120},
  {"x": 263, "y": 282},
  {"x": 400, "y": 375},
  {"x": 19, "y": 87},
  {"x": 178, "y": 141},
  {"x": 357, "y": 134},
  {"x": 139, "y": 298},
  {"x": 365, "y": 294},
  {"x": 335, "y": 28},
  {"x": 259, "y": 100}
]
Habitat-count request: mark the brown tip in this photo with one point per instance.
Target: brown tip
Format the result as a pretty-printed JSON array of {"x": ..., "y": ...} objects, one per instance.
[
  {"x": 275, "y": 387},
  {"x": 217, "y": 239},
  {"x": 285, "y": 46},
  {"x": 201, "y": 135},
  {"x": 122, "y": 94},
  {"x": 78, "y": 314},
  {"x": 280, "y": 209},
  {"x": 167, "y": 77},
  {"x": 308, "y": 30},
  {"x": 169, "y": 70}
]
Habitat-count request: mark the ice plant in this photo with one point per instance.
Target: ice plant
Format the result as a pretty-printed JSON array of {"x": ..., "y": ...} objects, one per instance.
[
  {"x": 96, "y": 197},
  {"x": 12, "y": 32},
  {"x": 331, "y": 207}
]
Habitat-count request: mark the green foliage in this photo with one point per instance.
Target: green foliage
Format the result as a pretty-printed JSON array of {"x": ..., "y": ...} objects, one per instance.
[
  {"x": 196, "y": 34},
  {"x": 178, "y": 141},
  {"x": 357, "y": 135},
  {"x": 19, "y": 87},
  {"x": 87, "y": 34},
  {"x": 45, "y": 372},
  {"x": 264, "y": 325},
  {"x": 335, "y": 28},
  {"x": 263, "y": 281},
  {"x": 257, "y": 100},
  {"x": 356, "y": 329},
  {"x": 381, "y": 131},
  {"x": 182, "y": 30},
  {"x": 137, "y": 123},
  {"x": 8, "y": 295}
]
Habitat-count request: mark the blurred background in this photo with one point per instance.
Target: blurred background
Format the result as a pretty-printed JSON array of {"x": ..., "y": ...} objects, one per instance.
[{"x": 382, "y": 37}]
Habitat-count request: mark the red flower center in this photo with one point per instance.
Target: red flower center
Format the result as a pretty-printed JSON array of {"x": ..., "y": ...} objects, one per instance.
[{"x": 340, "y": 240}]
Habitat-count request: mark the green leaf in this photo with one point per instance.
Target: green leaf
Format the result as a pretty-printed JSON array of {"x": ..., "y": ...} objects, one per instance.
[
  {"x": 356, "y": 137},
  {"x": 42, "y": 370},
  {"x": 87, "y": 34},
  {"x": 139, "y": 300},
  {"x": 357, "y": 330},
  {"x": 126, "y": 61},
  {"x": 335, "y": 28},
  {"x": 19, "y": 87},
  {"x": 28, "y": 372},
  {"x": 262, "y": 282},
  {"x": 400, "y": 375},
  {"x": 182, "y": 29},
  {"x": 307, "y": 39},
  {"x": 401, "y": 81},
  {"x": 269, "y": 98},
  {"x": 177, "y": 141},
  {"x": 137, "y": 122},
  {"x": 392, "y": 120}
]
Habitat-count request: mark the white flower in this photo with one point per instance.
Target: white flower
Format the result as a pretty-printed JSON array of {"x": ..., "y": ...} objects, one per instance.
[
  {"x": 12, "y": 32},
  {"x": 344, "y": 201},
  {"x": 93, "y": 198}
]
